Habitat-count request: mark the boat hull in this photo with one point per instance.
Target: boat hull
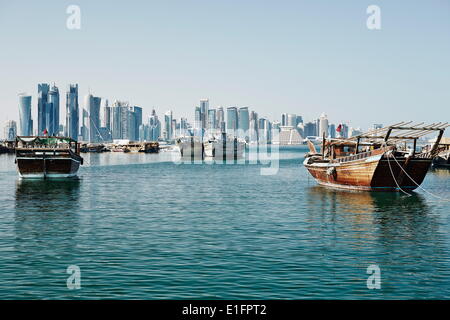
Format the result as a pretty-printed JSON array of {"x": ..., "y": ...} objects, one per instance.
[
  {"x": 192, "y": 149},
  {"x": 219, "y": 150},
  {"x": 47, "y": 168},
  {"x": 375, "y": 174}
]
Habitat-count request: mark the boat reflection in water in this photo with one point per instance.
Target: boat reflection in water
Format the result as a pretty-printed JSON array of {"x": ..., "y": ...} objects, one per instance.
[
  {"x": 46, "y": 224},
  {"x": 373, "y": 215},
  {"x": 46, "y": 207}
]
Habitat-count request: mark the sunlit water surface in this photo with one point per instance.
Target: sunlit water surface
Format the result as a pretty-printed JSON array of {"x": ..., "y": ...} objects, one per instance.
[{"x": 143, "y": 227}]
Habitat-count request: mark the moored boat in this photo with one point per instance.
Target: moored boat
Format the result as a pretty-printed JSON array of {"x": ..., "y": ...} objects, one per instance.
[
  {"x": 47, "y": 157},
  {"x": 191, "y": 147},
  {"x": 378, "y": 160},
  {"x": 225, "y": 148}
]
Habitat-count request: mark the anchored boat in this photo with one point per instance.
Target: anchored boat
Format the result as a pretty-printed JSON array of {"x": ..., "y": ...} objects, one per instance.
[
  {"x": 191, "y": 147},
  {"x": 225, "y": 148},
  {"x": 378, "y": 160},
  {"x": 47, "y": 157}
]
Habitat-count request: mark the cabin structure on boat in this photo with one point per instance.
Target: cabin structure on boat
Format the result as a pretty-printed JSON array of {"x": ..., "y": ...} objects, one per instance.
[{"x": 47, "y": 157}]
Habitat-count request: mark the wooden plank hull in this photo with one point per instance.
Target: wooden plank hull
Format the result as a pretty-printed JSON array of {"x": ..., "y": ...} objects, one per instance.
[
  {"x": 35, "y": 168},
  {"x": 371, "y": 174}
]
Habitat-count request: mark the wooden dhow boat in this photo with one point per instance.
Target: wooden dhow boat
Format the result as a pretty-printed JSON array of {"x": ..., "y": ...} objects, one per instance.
[
  {"x": 47, "y": 157},
  {"x": 384, "y": 159}
]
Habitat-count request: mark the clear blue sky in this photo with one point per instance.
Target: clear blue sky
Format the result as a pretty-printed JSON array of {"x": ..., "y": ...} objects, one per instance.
[{"x": 304, "y": 57}]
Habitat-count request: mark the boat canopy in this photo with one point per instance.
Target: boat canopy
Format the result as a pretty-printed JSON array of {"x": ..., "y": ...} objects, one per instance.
[{"x": 45, "y": 140}]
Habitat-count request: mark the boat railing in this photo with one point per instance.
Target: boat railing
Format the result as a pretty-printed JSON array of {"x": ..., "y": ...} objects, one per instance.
[{"x": 362, "y": 155}]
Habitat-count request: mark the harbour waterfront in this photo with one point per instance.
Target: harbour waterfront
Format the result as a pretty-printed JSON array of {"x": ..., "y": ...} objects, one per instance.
[{"x": 141, "y": 227}]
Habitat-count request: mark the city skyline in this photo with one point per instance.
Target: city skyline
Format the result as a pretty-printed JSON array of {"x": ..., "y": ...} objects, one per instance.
[
  {"x": 95, "y": 121},
  {"x": 263, "y": 55}
]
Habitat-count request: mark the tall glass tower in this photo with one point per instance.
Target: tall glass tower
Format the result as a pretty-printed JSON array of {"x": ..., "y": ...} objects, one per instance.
[
  {"x": 232, "y": 120},
  {"x": 204, "y": 107},
  {"x": 72, "y": 112},
  {"x": 244, "y": 122},
  {"x": 43, "y": 106},
  {"x": 53, "y": 113},
  {"x": 25, "y": 121}
]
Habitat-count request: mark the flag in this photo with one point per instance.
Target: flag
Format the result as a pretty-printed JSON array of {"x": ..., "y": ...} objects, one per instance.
[
  {"x": 339, "y": 128},
  {"x": 45, "y": 132}
]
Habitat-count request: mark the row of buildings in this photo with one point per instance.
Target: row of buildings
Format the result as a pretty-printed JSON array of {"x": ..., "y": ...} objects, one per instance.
[{"x": 101, "y": 122}]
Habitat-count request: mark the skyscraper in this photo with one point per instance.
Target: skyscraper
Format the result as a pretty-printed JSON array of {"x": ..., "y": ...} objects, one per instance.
[
  {"x": 291, "y": 120},
  {"x": 212, "y": 124},
  {"x": 198, "y": 118},
  {"x": 168, "y": 133},
  {"x": 284, "y": 119},
  {"x": 10, "y": 130},
  {"x": 72, "y": 112},
  {"x": 138, "y": 120},
  {"x": 53, "y": 100},
  {"x": 43, "y": 89},
  {"x": 154, "y": 127},
  {"x": 204, "y": 108},
  {"x": 220, "y": 119},
  {"x": 232, "y": 120},
  {"x": 253, "y": 126},
  {"x": 323, "y": 125},
  {"x": 26, "y": 123},
  {"x": 92, "y": 106},
  {"x": 244, "y": 123}
]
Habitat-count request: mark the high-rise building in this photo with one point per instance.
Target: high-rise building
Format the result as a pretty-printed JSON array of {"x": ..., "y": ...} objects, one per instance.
[
  {"x": 168, "y": 133},
  {"x": 198, "y": 118},
  {"x": 53, "y": 113},
  {"x": 284, "y": 117},
  {"x": 253, "y": 127},
  {"x": 92, "y": 107},
  {"x": 72, "y": 112},
  {"x": 332, "y": 131},
  {"x": 43, "y": 106},
  {"x": 125, "y": 121},
  {"x": 212, "y": 119},
  {"x": 244, "y": 123},
  {"x": 310, "y": 129},
  {"x": 137, "y": 117},
  {"x": 323, "y": 125},
  {"x": 84, "y": 130},
  {"x": 291, "y": 120},
  {"x": 106, "y": 114},
  {"x": 220, "y": 114},
  {"x": 265, "y": 128},
  {"x": 25, "y": 120},
  {"x": 204, "y": 108},
  {"x": 183, "y": 127},
  {"x": 232, "y": 120},
  {"x": 10, "y": 130},
  {"x": 154, "y": 127}
]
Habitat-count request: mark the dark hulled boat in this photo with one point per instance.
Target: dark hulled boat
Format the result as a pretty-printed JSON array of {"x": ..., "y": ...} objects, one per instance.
[
  {"x": 378, "y": 160},
  {"x": 47, "y": 157}
]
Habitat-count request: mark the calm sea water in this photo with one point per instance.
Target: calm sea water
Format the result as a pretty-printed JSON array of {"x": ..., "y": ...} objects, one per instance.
[{"x": 142, "y": 227}]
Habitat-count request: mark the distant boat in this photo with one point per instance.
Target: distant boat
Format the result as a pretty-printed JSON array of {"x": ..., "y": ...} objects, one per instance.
[
  {"x": 191, "y": 147},
  {"x": 378, "y": 160},
  {"x": 47, "y": 157},
  {"x": 442, "y": 158},
  {"x": 134, "y": 146},
  {"x": 225, "y": 148}
]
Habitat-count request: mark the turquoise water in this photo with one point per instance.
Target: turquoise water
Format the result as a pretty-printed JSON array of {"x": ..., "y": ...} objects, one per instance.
[{"x": 142, "y": 227}]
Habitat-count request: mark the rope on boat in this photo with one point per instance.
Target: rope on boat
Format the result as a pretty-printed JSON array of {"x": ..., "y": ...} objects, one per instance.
[
  {"x": 393, "y": 176},
  {"x": 418, "y": 185}
]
